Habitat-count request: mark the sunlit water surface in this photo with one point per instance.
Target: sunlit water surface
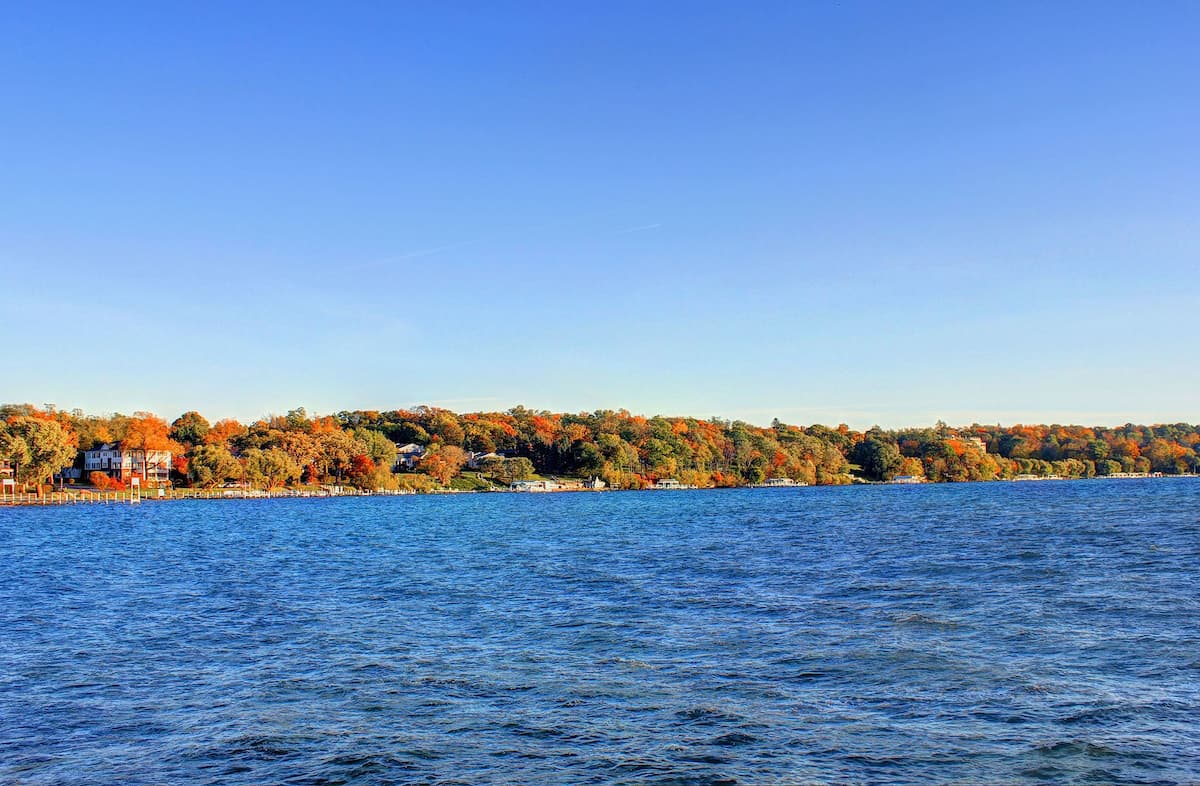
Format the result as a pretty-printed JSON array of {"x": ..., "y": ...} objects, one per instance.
[{"x": 983, "y": 633}]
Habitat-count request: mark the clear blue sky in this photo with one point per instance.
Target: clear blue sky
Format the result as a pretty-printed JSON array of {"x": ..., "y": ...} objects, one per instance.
[{"x": 828, "y": 211}]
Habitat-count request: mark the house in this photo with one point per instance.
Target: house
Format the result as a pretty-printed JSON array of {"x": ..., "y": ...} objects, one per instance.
[
  {"x": 977, "y": 442},
  {"x": 120, "y": 463},
  {"x": 475, "y": 459},
  {"x": 908, "y": 479},
  {"x": 668, "y": 484},
  {"x": 407, "y": 456},
  {"x": 971, "y": 441}
]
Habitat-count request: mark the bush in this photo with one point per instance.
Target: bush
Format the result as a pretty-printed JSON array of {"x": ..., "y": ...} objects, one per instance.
[
  {"x": 414, "y": 482},
  {"x": 104, "y": 482}
]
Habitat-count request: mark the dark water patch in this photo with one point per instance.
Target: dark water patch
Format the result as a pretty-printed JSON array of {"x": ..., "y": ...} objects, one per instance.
[
  {"x": 704, "y": 758},
  {"x": 1074, "y": 748},
  {"x": 734, "y": 738},
  {"x": 707, "y": 716}
]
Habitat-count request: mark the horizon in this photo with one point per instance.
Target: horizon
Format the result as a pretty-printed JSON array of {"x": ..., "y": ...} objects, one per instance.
[{"x": 856, "y": 213}]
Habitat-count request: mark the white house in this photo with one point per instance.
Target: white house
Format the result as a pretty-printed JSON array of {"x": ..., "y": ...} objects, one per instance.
[
  {"x": 153, "y": 466},
  {"x": 407, "y": 456},
  {"x": 475, "y": 459}
]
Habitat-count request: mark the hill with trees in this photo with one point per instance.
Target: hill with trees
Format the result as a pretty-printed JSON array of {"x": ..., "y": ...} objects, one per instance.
[{"x": 627, "y": 451}]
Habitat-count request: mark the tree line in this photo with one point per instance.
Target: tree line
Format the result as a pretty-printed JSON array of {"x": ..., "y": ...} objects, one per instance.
[{"x": 359, "y": 447}]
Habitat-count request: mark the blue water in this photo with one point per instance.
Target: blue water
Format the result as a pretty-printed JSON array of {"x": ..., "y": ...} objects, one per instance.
[{"x": 982, "y": 633}]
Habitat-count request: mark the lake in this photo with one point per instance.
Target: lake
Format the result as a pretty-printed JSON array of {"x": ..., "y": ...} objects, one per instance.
[{"x": 998, "y": 633}]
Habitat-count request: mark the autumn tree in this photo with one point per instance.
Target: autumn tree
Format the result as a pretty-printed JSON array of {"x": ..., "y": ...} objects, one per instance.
[
  {"x": 91, "y": 431},
  {"x": 335, "y": 451},
  {"x": 224, "y": 432},
  {"x": 148, "y": 434},
  {"x": 361, "y": 471},
  {"x": 444, "y": 463}
]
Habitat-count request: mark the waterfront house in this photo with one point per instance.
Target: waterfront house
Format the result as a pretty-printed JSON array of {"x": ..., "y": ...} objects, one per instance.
[
  {"x": 908, "y": 479},
  {"x": 122, "y": 463},
  {"x": 407, "y": 456},
  {"x": 970, "y": 440},
  {"x": 475, "y": 459},
  {"x": 772, "y": 483},
  {"x": 667, "y": 484}
]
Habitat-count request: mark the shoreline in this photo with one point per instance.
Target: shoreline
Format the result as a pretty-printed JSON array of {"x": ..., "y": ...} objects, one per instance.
[{"x": 85, "y": 497}]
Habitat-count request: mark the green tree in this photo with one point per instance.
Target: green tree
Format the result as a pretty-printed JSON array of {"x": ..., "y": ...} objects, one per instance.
[
  {"x": 209, "y": 465},
  {"x": 45, "y": 446},
  {"x": 586, "y": 457},
  {"x": 271, "y": 467},
  {"x": 514, "y": 469},
  {"x": 879, "y": 459},
  {"x": 13, "y": 449},
  {"x": 492, "y": 465},
  {"x": 1098, "y": 449},
  {"x": 190, "y": 428},
  {"x": 377, "y": 447}
]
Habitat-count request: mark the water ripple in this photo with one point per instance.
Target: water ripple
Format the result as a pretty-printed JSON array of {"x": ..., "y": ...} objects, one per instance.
[{"x": 982, "y": 633}]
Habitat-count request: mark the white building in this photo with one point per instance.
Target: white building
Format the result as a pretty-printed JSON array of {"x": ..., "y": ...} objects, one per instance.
[
  {"x": 975, "y": 442},
  {"x": 152, "y": 466},
  {"x": 533, "y": 485},
  {"x": 407, "y": 456},
  {"x": 475, "y": 459},
  {"x": 771, "y": 483}
]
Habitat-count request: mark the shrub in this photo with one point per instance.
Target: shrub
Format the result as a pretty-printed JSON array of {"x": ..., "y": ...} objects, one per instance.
[
  {"x": 104, "y": 482},
  {"x": 414, "y": 482}
]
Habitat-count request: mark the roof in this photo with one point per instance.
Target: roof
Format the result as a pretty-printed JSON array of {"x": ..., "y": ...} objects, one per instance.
[
  {"x": 411, "y": 447},
  {"x": 105, "y": 446},
  {"x": 116, "y": 446}
]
